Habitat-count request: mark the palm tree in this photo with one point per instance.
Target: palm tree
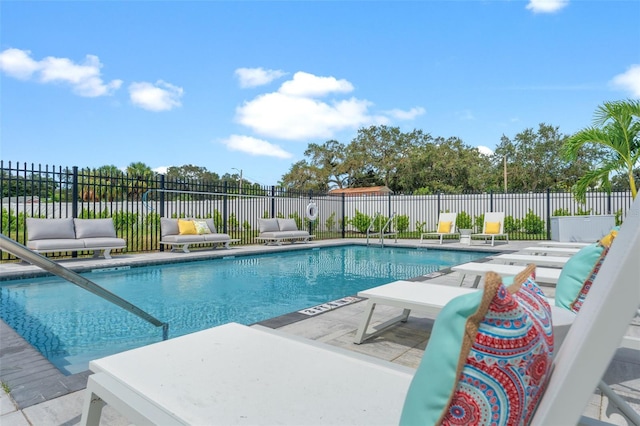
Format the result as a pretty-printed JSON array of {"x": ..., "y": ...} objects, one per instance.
[{"x": 616, "y": 128}]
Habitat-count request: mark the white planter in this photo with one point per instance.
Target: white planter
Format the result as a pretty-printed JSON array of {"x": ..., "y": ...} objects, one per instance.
[{"x": 587, "y": 229}]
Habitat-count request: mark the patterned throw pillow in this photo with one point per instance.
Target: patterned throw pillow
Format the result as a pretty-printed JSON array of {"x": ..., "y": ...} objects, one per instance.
[
  {"x": 201, "y": 227},
  {"x": 488, "y": 359},
  {"x": 578, "y": 273},
  {"x": 444, "y": 227},
  {"x": 492, "y": 228},
  {"x": 186, "y": 227}
]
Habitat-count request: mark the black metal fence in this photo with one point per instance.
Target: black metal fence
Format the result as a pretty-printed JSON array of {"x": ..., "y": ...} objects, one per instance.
[{"x": 136, "y": 204}]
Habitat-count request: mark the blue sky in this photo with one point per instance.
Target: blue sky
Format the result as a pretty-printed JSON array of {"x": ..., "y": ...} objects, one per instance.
[{"x": 247, "y": 85}]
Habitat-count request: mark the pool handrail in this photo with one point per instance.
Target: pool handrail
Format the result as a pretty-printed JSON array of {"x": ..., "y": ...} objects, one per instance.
[{"x": 27, "y": 255}]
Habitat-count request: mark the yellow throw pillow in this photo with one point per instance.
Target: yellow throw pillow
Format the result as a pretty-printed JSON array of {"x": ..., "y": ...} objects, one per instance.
[
  {"x": 444, "y": 227},
  {"x": 201, "y": 227},
  {"x": 608, "y": 239},
  {"x": 187, "y": 227},
  {"x": 492, "y": 228}
]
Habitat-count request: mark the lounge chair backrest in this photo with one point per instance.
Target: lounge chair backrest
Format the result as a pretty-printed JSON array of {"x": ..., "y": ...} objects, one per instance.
[
  {"x": 597, "y": 331},
  {"x": 493, "y": 217},
  {"x": 449, "y": 217}
]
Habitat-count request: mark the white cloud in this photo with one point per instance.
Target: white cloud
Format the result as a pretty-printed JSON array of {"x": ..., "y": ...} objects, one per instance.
[
  {"x": 305, "y": 84},
  {"x": 292, "y": 118},
  {"x": 628, "y": 80},
  {"x": 84, "y": 78},
  {"x": 255, "y": 146},
  {"x": 160, "y": 96},
  {"x": 406, "y": 115},
  {"x": 253, "y": 77},
  {"x": 294, "y": 112},
  {"x": 161, "y": 169},
  {"x": 18, "y": 63},
  {"x": 546, "y": 6},
  {"x": 485, "y": 150}
]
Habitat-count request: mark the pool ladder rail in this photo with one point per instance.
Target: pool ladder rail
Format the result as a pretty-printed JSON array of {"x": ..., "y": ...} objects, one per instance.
[
  {"x": 27, "y": 255},
  {"x": 383, "y": 232}
]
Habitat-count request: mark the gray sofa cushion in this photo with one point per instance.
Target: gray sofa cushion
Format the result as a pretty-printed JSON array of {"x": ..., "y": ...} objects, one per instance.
[
  {"x": 61, "y": 244},
  {"x": 40, "y": 229},
  {"x": 168, "y": 226},
  {"x": 268, "y": 225},
  {"x": 216, "y": 238},
  {"x": 287, "y": 225},
  {"x": 104, "y": 242},
  {"x": 181, "y": 239},
  {"x": 93, "y": 228}
]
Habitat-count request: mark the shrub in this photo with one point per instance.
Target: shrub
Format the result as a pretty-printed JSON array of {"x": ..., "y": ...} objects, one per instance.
[
  {"x": 361, "y": 221},
  {"x": 479, "y": 222},
  {"x": 233, "y": 222},
  {"x": 511, "y": 224},
  {"x": 561, "y": 212},
  {"x": 330, "y": 222},
  {"x": 532, "y": 224},
  {"x": 463, "y": 221},
  {"x": 420, "y": 226},
  {"x": 402, "y": 223},
  {"x": 379, "y": 222}
]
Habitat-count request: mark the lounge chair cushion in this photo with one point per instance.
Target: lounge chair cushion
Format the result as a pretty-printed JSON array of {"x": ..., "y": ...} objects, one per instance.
[
  {"x": 287, "y": 225},
  {"x": 187, "y": 227},
  {"x": 444, "y": 227},
  {"x": 488, "y": 358},
  {"x": 268, "y": 225},
  {"x": 93, "y": 228},
  {"x": 492, "y": 228},
  {"x": 579, "y": 272},
  {"x": 44, "y": 229},
  {"x": 201, "y": 227}
]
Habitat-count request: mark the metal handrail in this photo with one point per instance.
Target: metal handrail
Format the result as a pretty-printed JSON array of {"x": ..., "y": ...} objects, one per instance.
[
  {"x": 18, "y": 250},
  {"x": 381, "y": 233}
]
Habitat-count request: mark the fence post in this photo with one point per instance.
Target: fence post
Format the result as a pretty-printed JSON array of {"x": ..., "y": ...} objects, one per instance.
[
  {"x": 273, "y": 201},
  {"x": 74, "y": 192},
  {"x": 225, "y": 206},
  {"x": 344, "y": 225},
  {"x": 74, "y": 195},
  {"x": 548, "y": 213},
  {"x": 162, "y": 208},
  {"x": 491, "y": 200},
  {"x": 438, "y": 212},
  {"x": 609, "y": 203}
]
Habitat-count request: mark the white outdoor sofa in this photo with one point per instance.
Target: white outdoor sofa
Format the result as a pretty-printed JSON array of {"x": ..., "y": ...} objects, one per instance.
[
  {"x": 170, "y": 234},
  {"x": 277, "y": 230},
  {"x": 73, "y": 234}
]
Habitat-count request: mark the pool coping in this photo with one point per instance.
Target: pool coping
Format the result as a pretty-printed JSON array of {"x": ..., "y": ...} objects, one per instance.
[{"x": 33, "y": 379}]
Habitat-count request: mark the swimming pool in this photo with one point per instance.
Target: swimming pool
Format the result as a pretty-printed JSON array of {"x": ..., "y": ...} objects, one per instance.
[{"x": 71, "y": 326}]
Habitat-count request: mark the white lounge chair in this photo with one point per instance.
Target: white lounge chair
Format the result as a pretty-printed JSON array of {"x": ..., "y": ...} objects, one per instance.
[
  {"x": 562, "y": 244},
  {"x": 234, "y": 374},
  {"x": 427, "y": 298},
  {"x": 525, "y": 259},
  {"x": 555, "y": 251},
  {"x": 446, "y": 226},
  {"x": 492, "y": 227},
  {"x": 478, "y": 269}
]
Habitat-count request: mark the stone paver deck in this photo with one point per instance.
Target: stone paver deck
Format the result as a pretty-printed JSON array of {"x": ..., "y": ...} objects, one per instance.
[{"x": 41, "y": 395}]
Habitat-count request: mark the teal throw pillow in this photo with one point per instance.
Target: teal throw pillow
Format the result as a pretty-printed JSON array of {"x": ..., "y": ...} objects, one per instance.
[{"x": 488, "y": 359}]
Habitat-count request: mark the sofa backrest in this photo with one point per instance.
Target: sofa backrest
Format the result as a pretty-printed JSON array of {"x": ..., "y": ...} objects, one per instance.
[
  {"x": 43, "y": 229},
  {"x": 169, "y": 226},
  {"x": 287, "y": 224},
  {"x": 94, "y": 228},
  {"x": 268, "y": 225}
]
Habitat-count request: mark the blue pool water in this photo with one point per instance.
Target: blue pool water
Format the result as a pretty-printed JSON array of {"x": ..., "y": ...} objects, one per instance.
[{"x": 71, "y": 326}]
